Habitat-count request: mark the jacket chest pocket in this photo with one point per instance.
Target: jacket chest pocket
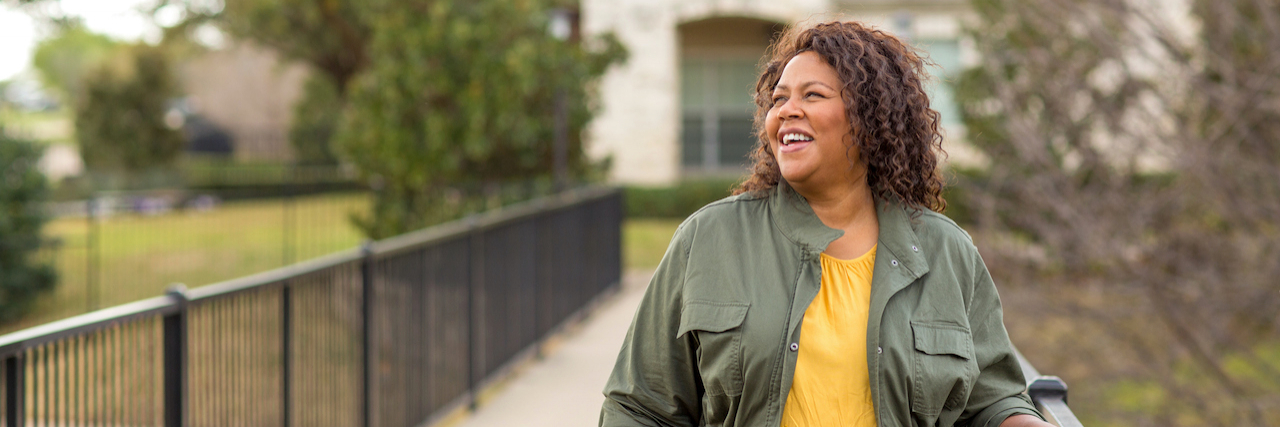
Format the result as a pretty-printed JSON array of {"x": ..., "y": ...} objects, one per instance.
[
  {"x": 943, "y": 367},
  {"x": 716, "y": 327}
]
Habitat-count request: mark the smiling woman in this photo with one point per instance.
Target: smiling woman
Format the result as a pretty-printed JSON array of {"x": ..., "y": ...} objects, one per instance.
[{"x": 828, "y": 291}]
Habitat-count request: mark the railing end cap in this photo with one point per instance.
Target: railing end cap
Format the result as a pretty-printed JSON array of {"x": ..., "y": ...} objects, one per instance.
[
  {"x": 1048, "y": 385},
  {"x": 177, "y": 291}
]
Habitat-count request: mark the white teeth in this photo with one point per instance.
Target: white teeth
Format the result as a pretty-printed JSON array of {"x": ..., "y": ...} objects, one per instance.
[{"x": 793, "y": 137}]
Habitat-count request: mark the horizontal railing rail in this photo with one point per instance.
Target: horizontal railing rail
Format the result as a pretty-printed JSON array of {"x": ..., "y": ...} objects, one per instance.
[
  {"x": 1049, "y": 393},
  {"x": 395, "y": 333}
]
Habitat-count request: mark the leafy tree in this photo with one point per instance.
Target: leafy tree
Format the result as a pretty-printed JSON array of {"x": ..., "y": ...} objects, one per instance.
[
  {"x": 22, "y": 189},
  {"x": 329, "y": 36},
  {"x": 120, "y": 119},
  {"x": 315, "y": 119},
  {"x": 1136, "y": 164},
  {"x": 462, "y": 93},
  {"x": 64, "y": 60}
]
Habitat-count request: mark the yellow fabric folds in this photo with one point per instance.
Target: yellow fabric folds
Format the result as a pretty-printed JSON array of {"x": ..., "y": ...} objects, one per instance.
[{"x": 831, "y": 385}]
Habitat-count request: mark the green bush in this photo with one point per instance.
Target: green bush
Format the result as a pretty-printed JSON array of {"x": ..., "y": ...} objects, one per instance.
[
  {"x": 676, "y": 201},
  {"x": 315, "y": 119},
  {"x": 686, "y": 197},
  {"x": 22, "y": 189},
  {"x": 457, "y": 92},
  {"x": 119, "y": 118}
]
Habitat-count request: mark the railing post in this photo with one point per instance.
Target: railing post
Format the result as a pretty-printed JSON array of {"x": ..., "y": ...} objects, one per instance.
[
  {"x": 175, "y": 360},
  {"x": 286, "y": 353},
  {"x": 475, "y": 258},
  {"x": 366, "y": 340},
  {"x": 14, "y": 390}
]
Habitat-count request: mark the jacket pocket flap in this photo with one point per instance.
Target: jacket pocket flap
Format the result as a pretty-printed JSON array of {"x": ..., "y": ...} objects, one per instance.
[
  {"x": 943, "y": 338},
  {"x": 711, "y": 316}
]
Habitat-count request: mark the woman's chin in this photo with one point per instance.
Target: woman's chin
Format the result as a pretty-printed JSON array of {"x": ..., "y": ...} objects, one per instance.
[{"x": 796, "y": 176}]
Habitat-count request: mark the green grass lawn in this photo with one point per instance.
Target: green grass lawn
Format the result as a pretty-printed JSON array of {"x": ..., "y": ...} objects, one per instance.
[
  {"x": 139, "y": 256},
  {"x": 645, "y": 240},
  {"x": 45, "y": 127}
]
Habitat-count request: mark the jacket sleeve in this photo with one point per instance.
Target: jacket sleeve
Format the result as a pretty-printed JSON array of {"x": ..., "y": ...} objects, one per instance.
[
  {"x": 1000, "y": 390},
  {"x": 654, "y": 382}
]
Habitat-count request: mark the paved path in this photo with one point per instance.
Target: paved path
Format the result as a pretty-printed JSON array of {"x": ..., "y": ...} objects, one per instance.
[{"x": 564, "y": 388}]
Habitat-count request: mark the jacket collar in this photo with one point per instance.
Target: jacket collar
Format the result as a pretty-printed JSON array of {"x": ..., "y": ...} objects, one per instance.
[
  {"x": 795, "y": 218},
  {"x": 898, "y": 241}
]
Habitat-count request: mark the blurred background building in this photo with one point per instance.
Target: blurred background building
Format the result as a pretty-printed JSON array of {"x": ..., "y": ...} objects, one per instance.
[
  {"x": 682, "y": 106},
  {"x": 247, "y": 93}
]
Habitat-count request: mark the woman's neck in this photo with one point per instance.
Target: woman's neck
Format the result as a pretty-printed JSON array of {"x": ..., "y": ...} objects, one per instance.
[{"x": 850, "y": 209}]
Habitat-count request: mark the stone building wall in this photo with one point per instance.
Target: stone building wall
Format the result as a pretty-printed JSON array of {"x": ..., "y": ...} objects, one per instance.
[
  {"x": 248, "y": 92},
  {"x": 640, "y": 123}
]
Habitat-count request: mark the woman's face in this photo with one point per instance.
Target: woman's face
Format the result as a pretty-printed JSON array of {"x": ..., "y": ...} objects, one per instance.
[{"x": 808, "y": 128}]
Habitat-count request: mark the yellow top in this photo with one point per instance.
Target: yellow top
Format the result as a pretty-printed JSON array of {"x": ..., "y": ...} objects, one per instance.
[{"x": 831, "y": 385}]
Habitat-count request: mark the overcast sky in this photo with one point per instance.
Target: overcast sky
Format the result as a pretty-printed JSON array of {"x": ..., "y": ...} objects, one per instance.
[{"x": 19, "y": 33}]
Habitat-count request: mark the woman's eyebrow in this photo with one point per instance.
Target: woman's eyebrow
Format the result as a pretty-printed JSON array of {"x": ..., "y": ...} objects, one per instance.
[
  {"x": 804, "y": 85},
  {"x": 807, "y": 84}
]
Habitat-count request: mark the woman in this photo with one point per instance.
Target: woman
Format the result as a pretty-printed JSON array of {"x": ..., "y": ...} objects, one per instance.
[{"x": 827, "y": 291}]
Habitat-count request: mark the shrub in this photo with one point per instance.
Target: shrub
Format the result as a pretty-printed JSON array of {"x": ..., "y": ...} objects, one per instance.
[
  {"x": 119, "y": 118},
  {"x": 22, "y": 189},
  {"x": 677, "y": 201}
]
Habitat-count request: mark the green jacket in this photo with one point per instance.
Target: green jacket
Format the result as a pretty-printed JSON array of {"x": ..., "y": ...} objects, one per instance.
[{"x": 714, "y": 340}]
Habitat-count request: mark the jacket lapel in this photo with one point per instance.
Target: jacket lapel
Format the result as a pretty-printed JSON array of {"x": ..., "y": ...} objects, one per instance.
[{"x": 898, "y": 263}]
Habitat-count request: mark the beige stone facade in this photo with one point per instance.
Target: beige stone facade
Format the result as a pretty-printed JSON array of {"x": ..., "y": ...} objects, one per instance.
[
  {"x": 248, "y": 91},
  {"x": 677, "y": 107}
]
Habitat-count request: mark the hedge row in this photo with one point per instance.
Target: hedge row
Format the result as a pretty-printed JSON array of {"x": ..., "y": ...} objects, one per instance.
[
  {"x": 682, "y": 199},
  {"x": 677, "y": 201}
]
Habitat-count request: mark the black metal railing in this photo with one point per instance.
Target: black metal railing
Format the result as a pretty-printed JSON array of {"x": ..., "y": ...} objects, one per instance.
[
  {"x": 395, "y": 333},
  {"x": 1049, "y": 393}
]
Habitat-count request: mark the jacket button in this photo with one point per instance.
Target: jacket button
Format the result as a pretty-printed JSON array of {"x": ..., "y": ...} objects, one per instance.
[
  {"x": 795, "y": 346},
  {"x": 879, "y": 350},
  {"x": 894, "y": 262},
  {"x": 914, "y": 249}
]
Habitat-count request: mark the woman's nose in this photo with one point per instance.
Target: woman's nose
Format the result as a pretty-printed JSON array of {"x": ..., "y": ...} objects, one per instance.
[{"x": 789, "y": 110}]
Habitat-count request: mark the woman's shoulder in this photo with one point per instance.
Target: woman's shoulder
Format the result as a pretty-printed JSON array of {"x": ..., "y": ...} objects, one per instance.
[
  {"x": 933, "y": 228},
  {"x": 729, "y": 210}
]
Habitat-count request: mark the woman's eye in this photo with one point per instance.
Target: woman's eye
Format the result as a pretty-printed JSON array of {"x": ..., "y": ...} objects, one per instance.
[
  {"x": 779, "y": 99},
  {"x": 813, "y": 94}
]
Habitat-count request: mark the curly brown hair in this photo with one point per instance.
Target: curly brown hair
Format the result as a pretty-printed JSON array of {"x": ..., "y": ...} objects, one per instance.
[{"x": 893, "y": 127}]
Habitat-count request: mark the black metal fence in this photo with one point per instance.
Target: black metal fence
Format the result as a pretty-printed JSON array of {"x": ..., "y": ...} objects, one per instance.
[
  {"x": 148, "y": 238},
  {"x": 391, "y": 334}
]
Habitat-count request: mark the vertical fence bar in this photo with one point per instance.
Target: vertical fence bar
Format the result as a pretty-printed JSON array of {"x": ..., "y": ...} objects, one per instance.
[
  {"x": 475, "y": 255},
  {"x": 286, "y": 353},
  {"x": 290, "y": 216},
  {"x": 539, "y": 352},
  {"x": 175, "y": 361},
  {"x": 91, "y": 252},
  {"x": 366, "y": 340},
  {"x": 14, "y": 394}
]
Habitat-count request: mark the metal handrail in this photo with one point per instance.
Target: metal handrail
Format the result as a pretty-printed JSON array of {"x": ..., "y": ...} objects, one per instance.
[
  {"x": 37, "y": 335},
  {"x": 1049, "y": 393},
  {"x": 474, "y": 294}
]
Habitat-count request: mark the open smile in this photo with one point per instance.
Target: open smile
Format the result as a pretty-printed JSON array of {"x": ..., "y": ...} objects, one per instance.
[{"x": 793, "y": 139}]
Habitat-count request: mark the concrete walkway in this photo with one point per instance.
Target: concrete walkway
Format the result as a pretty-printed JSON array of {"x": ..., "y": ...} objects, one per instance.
[{"x": 564, "y": 388}]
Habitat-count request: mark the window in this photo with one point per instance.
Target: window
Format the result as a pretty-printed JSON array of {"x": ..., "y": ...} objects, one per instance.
[
  {"x": 717, "y": 108},
  {"x": 941, "y": 88}
]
